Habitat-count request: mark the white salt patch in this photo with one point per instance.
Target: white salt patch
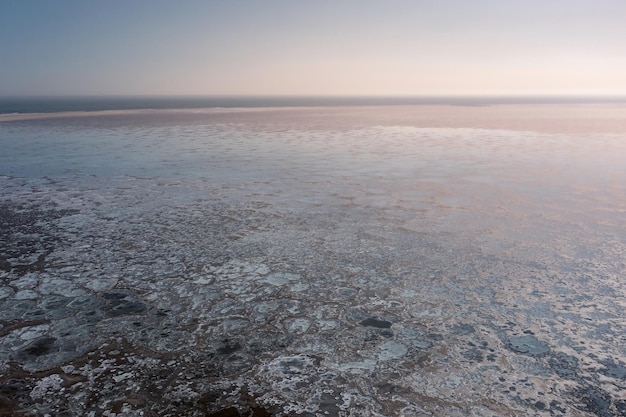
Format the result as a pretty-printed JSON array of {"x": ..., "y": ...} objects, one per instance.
[
  {"x": 5, "y": 292},
  {"x": 281, "y": 278},
  {"x": 46, "y": 386},
  {"x": 34, "y": 332},
  {"x": 26, "y": 295},
  {"x": 299, "y": 325},
  {"x": 392, "y": 350}
]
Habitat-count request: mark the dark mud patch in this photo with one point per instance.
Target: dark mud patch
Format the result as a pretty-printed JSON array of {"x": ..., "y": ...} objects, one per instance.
[{"x": 374, "y": 322}]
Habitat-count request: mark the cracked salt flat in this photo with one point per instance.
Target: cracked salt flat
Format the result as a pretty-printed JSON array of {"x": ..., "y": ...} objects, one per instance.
[{"x": 364, "y": 271}]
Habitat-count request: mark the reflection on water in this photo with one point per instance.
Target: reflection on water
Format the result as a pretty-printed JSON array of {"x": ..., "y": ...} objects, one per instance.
[{"x": 183, "y": 264}]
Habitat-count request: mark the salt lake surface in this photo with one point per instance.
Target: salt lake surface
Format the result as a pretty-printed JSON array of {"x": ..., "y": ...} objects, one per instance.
[{"x": 387, "y": 261}]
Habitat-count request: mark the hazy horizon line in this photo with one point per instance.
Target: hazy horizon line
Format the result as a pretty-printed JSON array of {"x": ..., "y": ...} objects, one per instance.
[
  {"x": 59, "y": 103},
  {"x": 460, "y": 95}
]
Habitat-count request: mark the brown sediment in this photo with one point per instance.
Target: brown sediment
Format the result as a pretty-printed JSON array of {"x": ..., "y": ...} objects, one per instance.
[{"x": 9, "y": 408}]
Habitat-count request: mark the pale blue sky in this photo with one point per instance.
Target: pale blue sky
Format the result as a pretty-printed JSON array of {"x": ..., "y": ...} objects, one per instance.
[{"x": 419, "y": 47}]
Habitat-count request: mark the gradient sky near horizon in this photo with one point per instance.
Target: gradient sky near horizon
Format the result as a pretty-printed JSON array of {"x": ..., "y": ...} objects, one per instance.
[{"x": 351, "y": 47}]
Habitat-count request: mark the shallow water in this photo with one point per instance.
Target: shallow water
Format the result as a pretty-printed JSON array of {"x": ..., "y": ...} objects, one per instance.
[{"x": 280, "y": 262}]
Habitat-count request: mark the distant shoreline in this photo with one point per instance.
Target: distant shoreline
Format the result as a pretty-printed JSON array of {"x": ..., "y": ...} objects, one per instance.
[
  {"x": 60, "y": 104},
  {"x": 8, "y": 117},
  {"x": 567, "y": 118}
]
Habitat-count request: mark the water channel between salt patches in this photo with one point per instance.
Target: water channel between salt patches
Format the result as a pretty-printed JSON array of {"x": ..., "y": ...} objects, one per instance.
[{"x": 270, "y": 258}]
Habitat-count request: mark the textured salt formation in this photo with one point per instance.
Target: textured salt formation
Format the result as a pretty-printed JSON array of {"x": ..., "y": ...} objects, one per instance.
[{"x": 314, "y": 283}]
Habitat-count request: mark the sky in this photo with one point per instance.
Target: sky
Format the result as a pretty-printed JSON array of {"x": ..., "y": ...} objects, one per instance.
[{"x": 322, "y": 47}]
